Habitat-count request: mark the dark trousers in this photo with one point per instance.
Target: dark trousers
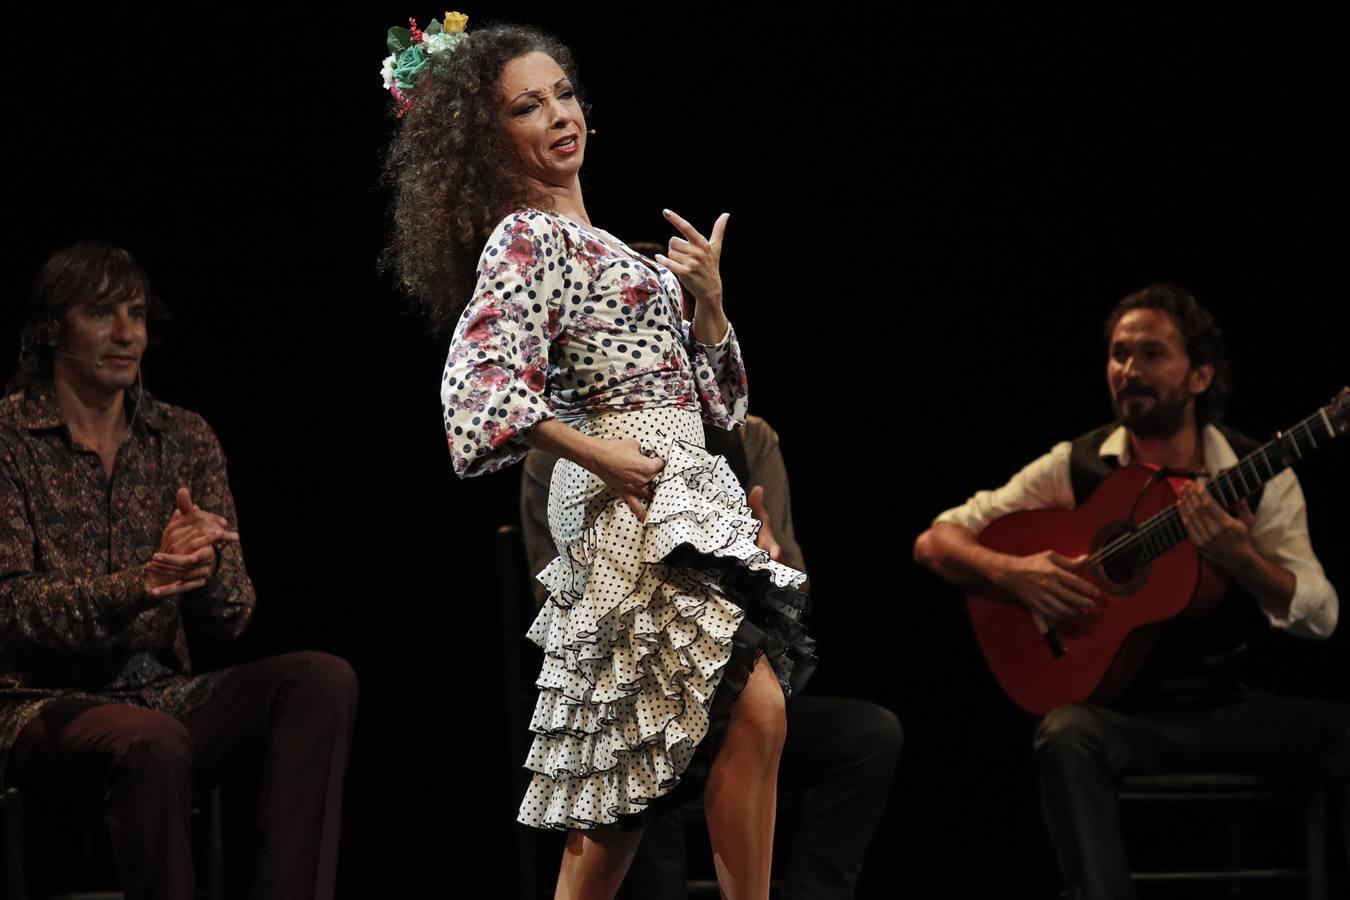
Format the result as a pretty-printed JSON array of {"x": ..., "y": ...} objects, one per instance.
[
  {"x": 290, "y": 716},
  {"x": 844, "y": 752},
  {"x": 1082, "y": 750}
]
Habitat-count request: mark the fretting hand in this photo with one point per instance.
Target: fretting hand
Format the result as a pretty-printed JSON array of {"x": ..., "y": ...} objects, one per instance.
[{"x": 1222, "y": 539}]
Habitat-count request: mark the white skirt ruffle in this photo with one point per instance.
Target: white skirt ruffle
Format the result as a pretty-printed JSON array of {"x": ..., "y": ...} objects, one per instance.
[{"x": 634, "y": 645}]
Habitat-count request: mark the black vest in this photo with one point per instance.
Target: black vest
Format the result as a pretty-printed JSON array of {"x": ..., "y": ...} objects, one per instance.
[
  {"x": 1196, "y": 655},
  {"x": 1087, "y": 468}
]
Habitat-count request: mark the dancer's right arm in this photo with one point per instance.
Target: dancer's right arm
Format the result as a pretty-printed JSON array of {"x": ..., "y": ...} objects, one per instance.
[
  {"x": 495, "y": 386},
  {"x": 619, "y": 464}
]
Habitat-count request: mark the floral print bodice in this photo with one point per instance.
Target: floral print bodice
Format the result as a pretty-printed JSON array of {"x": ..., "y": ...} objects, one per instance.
[{"x": 564, "y": 324}]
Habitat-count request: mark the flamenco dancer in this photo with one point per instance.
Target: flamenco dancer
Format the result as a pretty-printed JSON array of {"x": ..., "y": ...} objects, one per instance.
[{"x": 670, "y": 640}]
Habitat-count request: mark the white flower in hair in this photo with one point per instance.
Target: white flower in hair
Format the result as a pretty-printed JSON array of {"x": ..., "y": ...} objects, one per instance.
[
  {"x": 441, "y": 42},
  {"x": 387, "y": 72}
]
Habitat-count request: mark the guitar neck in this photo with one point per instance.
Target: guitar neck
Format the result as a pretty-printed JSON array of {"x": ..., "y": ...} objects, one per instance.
[{"x": 1163, "y": 531}]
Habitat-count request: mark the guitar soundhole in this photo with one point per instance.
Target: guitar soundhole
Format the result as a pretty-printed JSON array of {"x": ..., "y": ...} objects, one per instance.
[{"x": 1118, "y": 571}]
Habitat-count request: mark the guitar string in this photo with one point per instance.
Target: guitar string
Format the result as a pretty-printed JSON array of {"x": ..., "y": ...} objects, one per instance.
[{"x": 1168, "y": 518}]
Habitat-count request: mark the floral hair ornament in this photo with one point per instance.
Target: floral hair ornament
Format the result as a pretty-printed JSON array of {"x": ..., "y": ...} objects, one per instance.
[{"x": 411, "y": 48}]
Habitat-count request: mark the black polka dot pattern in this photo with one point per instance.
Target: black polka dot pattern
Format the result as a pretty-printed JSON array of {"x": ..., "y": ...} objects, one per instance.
[
  {"x": 567, "y": 321},
  {"x": 634, "y": 647}
]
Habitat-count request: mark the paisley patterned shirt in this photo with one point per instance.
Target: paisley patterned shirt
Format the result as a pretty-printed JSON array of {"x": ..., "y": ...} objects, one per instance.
[
  {"x": 563, "y": 324},
  {"x": 74, "y": 616}
]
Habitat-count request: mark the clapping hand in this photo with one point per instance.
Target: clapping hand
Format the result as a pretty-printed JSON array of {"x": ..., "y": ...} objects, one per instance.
[{"x": 187, "y": 551}]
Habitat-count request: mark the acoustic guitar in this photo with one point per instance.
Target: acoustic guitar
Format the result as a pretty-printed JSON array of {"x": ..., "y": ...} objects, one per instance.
[{"x": 1140, "y": 558}]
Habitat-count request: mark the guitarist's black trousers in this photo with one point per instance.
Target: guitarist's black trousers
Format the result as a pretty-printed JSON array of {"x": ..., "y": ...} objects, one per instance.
[{"x": 1082, "y": 751}]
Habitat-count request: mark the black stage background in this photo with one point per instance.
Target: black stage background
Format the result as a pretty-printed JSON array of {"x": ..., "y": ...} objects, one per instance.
[{"x": 931, "y": 216}]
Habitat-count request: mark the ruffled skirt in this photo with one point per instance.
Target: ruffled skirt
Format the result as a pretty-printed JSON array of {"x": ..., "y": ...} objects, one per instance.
[{"x": 650, "y": 629}]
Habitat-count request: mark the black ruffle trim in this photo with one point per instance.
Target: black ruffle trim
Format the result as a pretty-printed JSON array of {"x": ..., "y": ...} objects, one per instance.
[{"x": 772, "y": 627}]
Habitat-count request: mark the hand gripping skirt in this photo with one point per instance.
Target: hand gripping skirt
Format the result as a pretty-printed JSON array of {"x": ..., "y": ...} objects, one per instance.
[{"x": 651, "y": 629}]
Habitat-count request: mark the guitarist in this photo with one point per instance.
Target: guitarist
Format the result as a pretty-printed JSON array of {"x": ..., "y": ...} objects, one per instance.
[{"x": 1186, "y": 709}]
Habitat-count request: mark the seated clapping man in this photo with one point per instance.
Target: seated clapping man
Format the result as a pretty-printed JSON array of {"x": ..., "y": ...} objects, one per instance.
[{"x": 118, "y": 537}]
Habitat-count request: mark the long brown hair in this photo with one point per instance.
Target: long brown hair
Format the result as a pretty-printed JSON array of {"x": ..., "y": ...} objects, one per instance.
[{"x": 453, "y": 175}]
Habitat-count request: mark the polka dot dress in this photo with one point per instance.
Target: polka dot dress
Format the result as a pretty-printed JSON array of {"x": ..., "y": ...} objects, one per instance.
[
  {"x": 634, "y": 647},
  {"x": 566, "y": 321}
]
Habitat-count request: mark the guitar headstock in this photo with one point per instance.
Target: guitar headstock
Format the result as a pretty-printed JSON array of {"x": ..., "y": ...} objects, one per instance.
[{"x": 1338, "y": 411}]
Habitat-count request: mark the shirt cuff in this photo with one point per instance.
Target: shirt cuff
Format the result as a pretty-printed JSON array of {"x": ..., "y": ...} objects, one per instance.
[
  {"x": 720, "y": 345},
  {"x": 1314, "y": 608},
  {"x": 122, "y": 594}
]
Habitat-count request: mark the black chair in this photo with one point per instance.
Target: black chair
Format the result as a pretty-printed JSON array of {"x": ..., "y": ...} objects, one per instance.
[
  {"x": 1230, "y": 794},
  {"x": 207, "y": 820},
  {"x": 515, "y": 607}
]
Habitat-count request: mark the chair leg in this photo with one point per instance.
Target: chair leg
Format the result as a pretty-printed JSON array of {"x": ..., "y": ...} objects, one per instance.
[
  {"x": 16, "y": 874},
  {"x": 14, "y": 850},
  {"x": 213, "y": 854},
  {"x": 1234, "y": 824},
  {"x": 1316, "y": 829}
]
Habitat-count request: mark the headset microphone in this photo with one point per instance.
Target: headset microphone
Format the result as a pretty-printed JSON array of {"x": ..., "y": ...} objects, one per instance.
[
  {"x": 140, "y": 388},
  {"x": 97, "y": 363}
]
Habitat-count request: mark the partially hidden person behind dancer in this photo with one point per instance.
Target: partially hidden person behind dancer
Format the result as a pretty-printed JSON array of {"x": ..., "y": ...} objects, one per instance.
[
  {"x": 118, "y": 538},
  {"x": 840, "y": 754},
  {"x": 668, "y": 634},
  {"x": 1187, "y": 708}
]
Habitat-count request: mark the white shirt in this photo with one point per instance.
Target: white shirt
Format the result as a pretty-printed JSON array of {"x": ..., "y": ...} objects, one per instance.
[{"x": 1279, "y": 532}]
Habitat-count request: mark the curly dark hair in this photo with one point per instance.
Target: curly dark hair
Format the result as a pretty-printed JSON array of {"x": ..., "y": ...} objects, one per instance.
[
  {"x": 1199, "y": 330},
  {"x": 92, "y": 272},
  {"x": 454, "y": 177}
]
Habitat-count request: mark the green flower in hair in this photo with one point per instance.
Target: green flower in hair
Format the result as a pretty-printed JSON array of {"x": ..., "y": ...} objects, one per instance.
[{"x": 407, "y": 65}]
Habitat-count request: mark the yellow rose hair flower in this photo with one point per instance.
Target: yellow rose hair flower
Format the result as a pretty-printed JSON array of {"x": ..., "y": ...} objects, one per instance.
[{"x": 455, "y": 22}]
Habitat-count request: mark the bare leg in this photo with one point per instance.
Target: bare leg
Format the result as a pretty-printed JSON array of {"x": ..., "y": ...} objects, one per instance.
[
  {"x": 742, "y": 793},
  {"x": 594, "y": 863}
]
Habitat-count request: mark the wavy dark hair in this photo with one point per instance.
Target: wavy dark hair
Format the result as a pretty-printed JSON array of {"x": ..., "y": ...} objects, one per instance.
[
  {"x": 1199, "y": 330},
  {"x": 453, "y": 175},
  {"x": 91, "y": 272}
]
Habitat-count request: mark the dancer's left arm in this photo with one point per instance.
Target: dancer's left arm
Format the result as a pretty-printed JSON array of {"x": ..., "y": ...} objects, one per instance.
[{"x": 714, "y": 354}]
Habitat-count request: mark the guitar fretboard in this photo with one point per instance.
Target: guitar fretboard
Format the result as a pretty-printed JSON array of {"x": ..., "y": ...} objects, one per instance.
[{"x": 1164, "y": 530}]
